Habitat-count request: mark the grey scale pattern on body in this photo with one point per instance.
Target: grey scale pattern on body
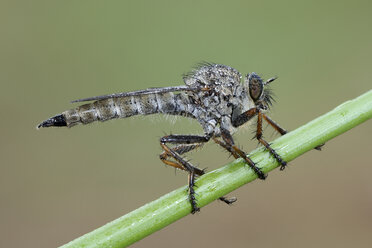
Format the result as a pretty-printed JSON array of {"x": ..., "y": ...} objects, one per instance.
[
  {"x": 213, "y": 94},
  {"x": 212, "y": 108}
]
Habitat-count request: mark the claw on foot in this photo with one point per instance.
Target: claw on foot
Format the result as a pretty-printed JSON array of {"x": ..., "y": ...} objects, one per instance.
[
  {"x": 195, "y": 210},
  {"x": 228, "y": 201},
  {"x": 283, "y": 165}
]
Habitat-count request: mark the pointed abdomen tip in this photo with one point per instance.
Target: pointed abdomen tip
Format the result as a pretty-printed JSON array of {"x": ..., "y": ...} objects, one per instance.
[{"x": 55, "y": 121}]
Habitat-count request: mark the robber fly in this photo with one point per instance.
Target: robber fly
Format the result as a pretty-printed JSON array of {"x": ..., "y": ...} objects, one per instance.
[{"x": 213, "y": 94}]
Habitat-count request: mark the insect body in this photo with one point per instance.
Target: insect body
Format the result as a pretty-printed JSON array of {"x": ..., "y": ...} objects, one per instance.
[{"x": 213, "y": 94}]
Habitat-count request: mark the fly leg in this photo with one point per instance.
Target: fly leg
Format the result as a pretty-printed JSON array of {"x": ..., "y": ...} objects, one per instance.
[
  {"x": 248, "y": 115},
  {"x": 184, "y": 146},
  {"x": 281, "y": 130},
  {"x": 267, "y": 145},
  {"x": 229, "y": 145},
  {"x": 275, "y": 125},
  {"x": 182, "y": 149}
]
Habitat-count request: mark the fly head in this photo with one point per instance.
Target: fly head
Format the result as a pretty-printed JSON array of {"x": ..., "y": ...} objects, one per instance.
[{"x": 258, "y": 90}]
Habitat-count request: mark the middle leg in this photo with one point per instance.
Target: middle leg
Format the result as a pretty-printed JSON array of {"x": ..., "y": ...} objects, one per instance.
[
  {"x": 267, "y": 145},
  {"x": 229, "y": 145}
]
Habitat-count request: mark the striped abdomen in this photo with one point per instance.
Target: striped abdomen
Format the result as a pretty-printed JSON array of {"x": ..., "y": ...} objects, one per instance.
[{"x": 122, "y": 107}]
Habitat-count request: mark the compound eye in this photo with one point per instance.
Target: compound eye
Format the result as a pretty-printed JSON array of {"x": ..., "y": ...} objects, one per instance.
[{"x": 255, "y": 88}]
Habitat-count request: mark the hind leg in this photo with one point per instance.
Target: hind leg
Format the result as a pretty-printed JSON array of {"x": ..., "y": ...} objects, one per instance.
[
  {"x": 182, "y": 149},
  {"x": 185, "y": 143}
]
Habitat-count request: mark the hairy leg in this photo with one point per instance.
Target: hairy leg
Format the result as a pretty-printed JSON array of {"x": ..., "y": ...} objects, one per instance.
[
  {"x": 186, "y": 143},
  {"x": 229, "y": 145}
]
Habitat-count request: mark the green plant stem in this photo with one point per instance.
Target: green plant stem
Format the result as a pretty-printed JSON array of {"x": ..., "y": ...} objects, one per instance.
[{"x": 155, "y": 215}]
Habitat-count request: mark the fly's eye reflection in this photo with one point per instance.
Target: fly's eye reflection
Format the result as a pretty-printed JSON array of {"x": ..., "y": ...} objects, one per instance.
[{"x": 212, "y": 95}]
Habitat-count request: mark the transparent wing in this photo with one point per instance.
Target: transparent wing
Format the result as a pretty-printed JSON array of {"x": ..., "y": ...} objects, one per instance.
[{"x": 139, "y": 92}]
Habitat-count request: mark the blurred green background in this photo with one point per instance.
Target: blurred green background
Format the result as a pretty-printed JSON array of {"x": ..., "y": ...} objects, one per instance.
[{"x": 57, "y": 184}]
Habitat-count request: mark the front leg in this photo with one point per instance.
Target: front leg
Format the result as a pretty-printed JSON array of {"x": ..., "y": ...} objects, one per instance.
[
  {"x": 283, "y": 131},
  {"x": 248, "y": 115},
  {"x": 242, "y": 118}
]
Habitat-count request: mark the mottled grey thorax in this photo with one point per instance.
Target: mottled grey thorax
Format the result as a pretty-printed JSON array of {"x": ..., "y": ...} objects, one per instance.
[{"x": 223, "y": 96}]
